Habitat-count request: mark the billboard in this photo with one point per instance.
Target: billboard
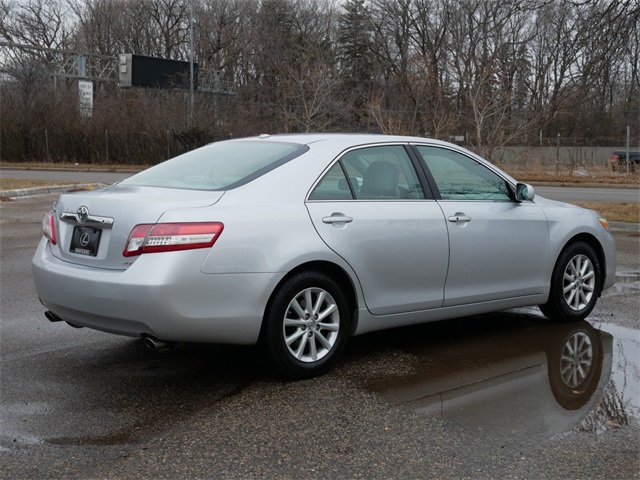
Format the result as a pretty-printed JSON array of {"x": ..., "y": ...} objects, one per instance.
[{"x": 151, "y": 72}]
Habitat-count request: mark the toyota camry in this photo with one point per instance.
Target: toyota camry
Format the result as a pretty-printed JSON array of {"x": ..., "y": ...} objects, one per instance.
[{"x": 299, "y": 242}]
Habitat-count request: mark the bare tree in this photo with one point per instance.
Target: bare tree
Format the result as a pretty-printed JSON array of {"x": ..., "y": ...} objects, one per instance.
[
  {"x": 96, "y": 25},
  {"x": 500, "y": 70},
  {"x": 312, "y": 102},
  {"x": 488, "y": 62},
  {"x": 223, "y": 32},
  {"x": 170, "y": 21},
  {"x": 392, "y": 23},
  {"x": 387, "y": 121},
  {"x": 430, "y": 78},
  {"x": 42, "y": 23}
]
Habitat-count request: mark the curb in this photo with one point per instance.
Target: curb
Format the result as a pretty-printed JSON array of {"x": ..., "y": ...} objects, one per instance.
[{"x": 34, "y": 191}]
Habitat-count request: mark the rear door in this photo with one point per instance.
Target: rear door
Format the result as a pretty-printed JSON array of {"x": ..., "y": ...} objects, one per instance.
[{"x": 371, "y": 209}]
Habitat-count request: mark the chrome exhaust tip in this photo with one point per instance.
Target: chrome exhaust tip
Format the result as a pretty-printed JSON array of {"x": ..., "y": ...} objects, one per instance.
[
  {"x": 52, "y": 317},
  {"x": 159, "y": 345}
]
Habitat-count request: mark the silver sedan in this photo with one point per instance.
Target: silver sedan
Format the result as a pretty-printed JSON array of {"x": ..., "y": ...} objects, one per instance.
[{"x": 301, "y": 241}]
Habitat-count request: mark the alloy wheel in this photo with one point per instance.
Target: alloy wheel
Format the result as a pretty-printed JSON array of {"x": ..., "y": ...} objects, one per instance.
[
  {"x": 579, "y": 282},
  {"x": 311, "y": 325}
]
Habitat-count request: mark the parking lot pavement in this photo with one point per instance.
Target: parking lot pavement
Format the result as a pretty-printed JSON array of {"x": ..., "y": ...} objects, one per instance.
[{"x": 472, "y": 398}]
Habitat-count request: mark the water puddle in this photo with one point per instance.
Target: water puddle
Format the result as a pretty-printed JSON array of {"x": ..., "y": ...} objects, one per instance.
[
  {"x": 620, "y": 403},
  {"x": 530, "y": 377}
]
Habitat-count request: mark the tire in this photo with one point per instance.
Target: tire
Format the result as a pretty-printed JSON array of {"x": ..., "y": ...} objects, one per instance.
[
  {"x": 305, "y": 340},
  {"x": 575, "y": 284},
  {"x": 575, "y": 367}
]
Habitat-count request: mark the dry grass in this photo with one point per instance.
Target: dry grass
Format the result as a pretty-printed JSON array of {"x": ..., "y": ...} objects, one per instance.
[
  {"x": 613, "y": 211},
  {"x": 76, "y": 167},
  {"x": 16, "y": 183},
  {"x": 536, "y": 172}
]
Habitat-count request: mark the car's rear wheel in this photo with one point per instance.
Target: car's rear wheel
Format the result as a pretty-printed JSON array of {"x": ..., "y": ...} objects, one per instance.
[
  {"x": 575, "y": 284},
  {"x": 307, "y": 325}
]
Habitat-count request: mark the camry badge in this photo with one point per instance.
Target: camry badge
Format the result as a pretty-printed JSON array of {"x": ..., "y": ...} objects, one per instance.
[{"x": 83, "y": 213}]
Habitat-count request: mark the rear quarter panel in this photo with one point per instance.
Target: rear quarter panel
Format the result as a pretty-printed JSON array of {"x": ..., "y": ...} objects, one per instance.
[{"x": 267, "y": 228}]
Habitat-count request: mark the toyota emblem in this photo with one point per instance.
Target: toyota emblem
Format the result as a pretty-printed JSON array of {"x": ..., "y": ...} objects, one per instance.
[{"x": 83, "y": 213}]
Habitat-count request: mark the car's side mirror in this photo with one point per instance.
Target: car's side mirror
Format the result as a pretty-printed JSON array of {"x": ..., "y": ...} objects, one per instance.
[{"x": 524, "y": 192}]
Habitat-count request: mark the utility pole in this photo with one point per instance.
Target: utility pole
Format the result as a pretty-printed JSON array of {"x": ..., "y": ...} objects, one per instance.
[{"x": 191, "y": 99}]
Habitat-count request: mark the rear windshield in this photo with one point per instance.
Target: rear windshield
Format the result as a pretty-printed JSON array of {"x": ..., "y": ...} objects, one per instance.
[{"x": 218, "y": 166}]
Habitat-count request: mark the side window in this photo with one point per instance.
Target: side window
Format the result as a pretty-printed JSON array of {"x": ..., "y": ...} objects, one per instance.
[
  {"x": 459, "y": 177},
  {"x": 333, "y": 186},
  {"x": 384, "y": 172}
]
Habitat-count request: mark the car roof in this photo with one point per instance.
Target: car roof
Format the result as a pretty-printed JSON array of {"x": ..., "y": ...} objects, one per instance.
[
  {"x": 355, "y": 138},
  {"x": 347, "y": 140}
]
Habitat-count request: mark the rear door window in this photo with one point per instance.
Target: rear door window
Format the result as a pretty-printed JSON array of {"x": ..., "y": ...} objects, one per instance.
[
  {"x": 333, "y": 186},
  {"x": 371, "y": 173}
]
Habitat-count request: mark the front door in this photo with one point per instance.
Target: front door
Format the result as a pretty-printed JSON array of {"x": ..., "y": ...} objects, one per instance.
[{"x": 499, "y": 248}]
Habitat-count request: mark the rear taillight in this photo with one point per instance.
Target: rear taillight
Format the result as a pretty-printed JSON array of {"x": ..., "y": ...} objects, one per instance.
[
  {"x": 49, "y": 226},
  {"x": 169, "y": 237}
]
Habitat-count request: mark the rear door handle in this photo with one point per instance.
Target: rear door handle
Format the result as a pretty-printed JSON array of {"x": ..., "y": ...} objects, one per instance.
[
  {"x": 458, "y": 217},
  {"x": 337, "y": 218}
]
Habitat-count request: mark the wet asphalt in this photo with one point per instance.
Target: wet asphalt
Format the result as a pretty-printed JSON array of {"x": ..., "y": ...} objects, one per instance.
[{"x": 470, "y": 398}]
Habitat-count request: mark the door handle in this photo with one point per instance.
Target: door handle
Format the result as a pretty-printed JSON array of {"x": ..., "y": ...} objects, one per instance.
[
  {"x": 459, "y": 217},
  {"x": 337, "y": 218}
]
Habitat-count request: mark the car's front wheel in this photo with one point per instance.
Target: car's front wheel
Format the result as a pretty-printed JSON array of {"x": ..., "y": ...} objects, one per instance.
[
  {"x": 575, "y": 284},
  {"x": 307, "y": 325},
  {"x": 575, "y": 366}
]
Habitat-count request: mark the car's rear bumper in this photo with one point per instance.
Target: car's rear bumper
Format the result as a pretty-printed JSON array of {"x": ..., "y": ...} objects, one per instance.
[
  {"x": 620, "y": 161},
  {"x": 169, "y": 299}
]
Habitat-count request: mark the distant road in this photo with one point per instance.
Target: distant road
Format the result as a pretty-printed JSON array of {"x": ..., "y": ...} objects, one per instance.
[
  {"x": 563, "y": 194},
  {"x": 587, "y": 194},
  {"x": 66, "y": 175}
]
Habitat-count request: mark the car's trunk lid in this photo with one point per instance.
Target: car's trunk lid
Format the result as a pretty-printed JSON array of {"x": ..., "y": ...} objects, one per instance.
[{"x": 92, "y": 227}]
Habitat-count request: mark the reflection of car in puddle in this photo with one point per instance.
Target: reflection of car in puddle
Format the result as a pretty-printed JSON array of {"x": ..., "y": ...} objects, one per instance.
[{"x": 545, "y": 378}]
